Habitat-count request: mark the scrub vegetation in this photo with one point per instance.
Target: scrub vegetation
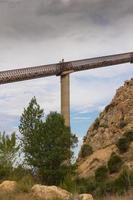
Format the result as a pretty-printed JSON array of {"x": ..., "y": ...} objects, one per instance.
[{"x": 43, "y": 154}]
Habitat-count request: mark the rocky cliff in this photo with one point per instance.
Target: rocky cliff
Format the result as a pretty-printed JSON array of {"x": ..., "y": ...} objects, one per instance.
[{"x": 109, "y": 133}]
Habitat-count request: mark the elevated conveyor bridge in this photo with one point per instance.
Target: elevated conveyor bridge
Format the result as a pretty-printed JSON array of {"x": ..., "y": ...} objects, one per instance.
[{"x": 63, "y": 69}]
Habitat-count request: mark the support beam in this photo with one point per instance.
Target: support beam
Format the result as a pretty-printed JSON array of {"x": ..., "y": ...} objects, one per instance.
[{"x": 65, "y": 97}]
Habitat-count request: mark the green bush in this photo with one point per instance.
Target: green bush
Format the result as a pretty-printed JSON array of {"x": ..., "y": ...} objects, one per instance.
[
  {"x": 122, "y": 183},
  {"x": 87, "y": 185},
  {"x": 122, "y": 124},
  {"x": 129, "y": 135},
  {"x": 104, "y": 125},
  {"x": 110, "y": 106},
  {"x": 123, "y": 144},
  {"x": 96, "y": 123},
  {"x": 86, "y": 150},
  {"x": 69, "y": 184},
  {"x": 19, "y": 172},
  {"x": 5, "y": 172},
  {"x": 26, "y": 183},
  {"x": 98, "y": 189},
  {"x": 115, "y": 162},
  {"x": 101, "y": 173},
  {"x": 131, "y": 178},
  {"x": 8, "y": 154}
]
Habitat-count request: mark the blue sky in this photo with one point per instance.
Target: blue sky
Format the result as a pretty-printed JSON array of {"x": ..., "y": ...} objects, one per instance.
[
  {"x": 106, "y": 88},
  {"x": 45, "y": 31}
]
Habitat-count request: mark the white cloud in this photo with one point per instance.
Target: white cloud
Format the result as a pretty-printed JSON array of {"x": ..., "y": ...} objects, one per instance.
[
  {"x": 86, "y": 94},
  {"x": 41, "y": 32},
  {"x": 81, "y": 118},
  {"x": 15, "y": 96}
]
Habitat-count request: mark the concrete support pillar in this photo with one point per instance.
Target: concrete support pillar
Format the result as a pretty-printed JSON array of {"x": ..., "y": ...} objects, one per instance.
[{"x": 65, "y": 98}]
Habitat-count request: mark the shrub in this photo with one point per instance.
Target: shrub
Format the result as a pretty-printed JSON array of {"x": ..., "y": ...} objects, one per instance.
[
  {"x": 19, "y": 172},
  {"x": 86, "y": 150},
  {"x": 26, "y": 183},
  {"x": 108, "y": 107},
  {"x": 87, "y": 185},
  {"x": 123, "y": 144},
  {"x": 129, "y": 135},
  {"x": 104, "y": 125},
  {"x": 8, "y": 154},
  {"x": 114, "y": 163},
  {"x": 101, "y": 173},
  {"x": 98, "y": 189},
  {"x": 5, "y": 172},
  {"x": 122, "y": 124},
  {"x": 122, "y": 183},
  {"x": 69, "y": 184},
  {"x": 131, "y": 178},
  {"x": 96, "y": 123}
]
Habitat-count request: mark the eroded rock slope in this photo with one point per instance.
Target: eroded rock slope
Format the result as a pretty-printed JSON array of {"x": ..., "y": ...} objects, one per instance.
[{"x": 111, "y": 125}]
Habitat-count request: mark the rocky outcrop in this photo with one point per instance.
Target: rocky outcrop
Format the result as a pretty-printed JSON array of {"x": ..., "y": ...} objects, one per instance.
[
  {"x": 8, "y": 186},
  {"x": 109, "y": 127},
  {"x": 97, "y": 159},
  {"x": 53, "y": 192},
  {"x": 50, "y": 192},
  {"x": 44, "y": 192},
  {"x": 85, "y": 197}
]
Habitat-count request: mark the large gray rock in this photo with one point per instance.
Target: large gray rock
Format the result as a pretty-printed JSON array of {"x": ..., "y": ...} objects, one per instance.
[{"x": 50, "y": 192}]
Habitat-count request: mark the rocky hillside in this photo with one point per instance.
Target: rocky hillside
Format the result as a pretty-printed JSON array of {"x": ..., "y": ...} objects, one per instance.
[{"x": 111, "y": 132}]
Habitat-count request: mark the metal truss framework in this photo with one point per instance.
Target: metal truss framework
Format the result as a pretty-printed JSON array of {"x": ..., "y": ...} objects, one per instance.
[{"x": 59, "y": 68}]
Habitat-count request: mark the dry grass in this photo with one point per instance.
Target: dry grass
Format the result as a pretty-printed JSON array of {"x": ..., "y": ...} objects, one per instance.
[
  {"x": 28, "y": 196},
  {"x": 120, "y": 198},
  {"x": 19, "y": 196},
  {"x": 16, "y": 196},
  {"x": 125, "y": 197}
]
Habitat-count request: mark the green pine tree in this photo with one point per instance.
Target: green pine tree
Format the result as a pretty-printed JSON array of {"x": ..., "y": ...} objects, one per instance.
[{"x": 47, "y": 144}]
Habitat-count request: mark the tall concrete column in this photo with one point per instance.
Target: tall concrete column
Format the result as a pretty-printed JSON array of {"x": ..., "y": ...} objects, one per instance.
[{"x": 65, "y": 98}]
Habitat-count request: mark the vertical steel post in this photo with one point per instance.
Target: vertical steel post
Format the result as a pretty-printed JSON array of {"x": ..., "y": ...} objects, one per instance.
[{"x": 65, "y": 98}]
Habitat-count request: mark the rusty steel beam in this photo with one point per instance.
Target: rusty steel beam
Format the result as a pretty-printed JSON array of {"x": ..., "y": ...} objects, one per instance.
[{"x": 22, "y": 74}]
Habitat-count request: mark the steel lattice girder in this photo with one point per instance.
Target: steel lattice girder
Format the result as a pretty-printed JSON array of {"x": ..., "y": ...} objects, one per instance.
[{"x": 58, "y": 68}]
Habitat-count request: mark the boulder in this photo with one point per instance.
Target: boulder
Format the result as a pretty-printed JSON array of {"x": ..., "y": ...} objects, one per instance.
[
  {"x": 85, "y": 197},
  {"x": 50, "y": 192},
  {"x": 8, "y": 186}
]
